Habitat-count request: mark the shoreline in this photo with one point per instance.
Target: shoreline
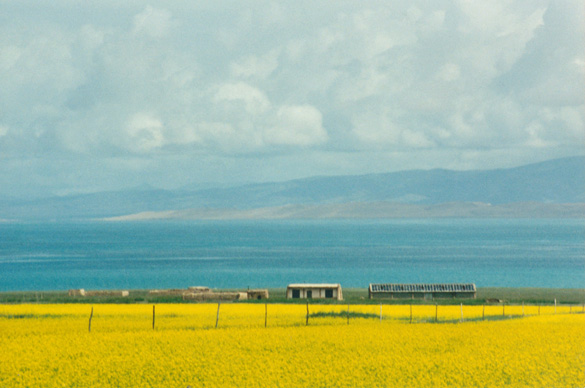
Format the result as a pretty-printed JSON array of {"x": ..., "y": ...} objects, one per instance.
[{"x": 508, "y": 295}]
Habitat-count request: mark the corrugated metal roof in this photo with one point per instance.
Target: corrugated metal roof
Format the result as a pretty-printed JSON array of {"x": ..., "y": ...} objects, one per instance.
[
  {"x": 314, "y": 285},
  {"x": 440, "y": 287}
]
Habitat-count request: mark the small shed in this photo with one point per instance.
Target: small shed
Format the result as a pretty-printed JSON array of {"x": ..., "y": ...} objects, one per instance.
[
  {"x": 258, "y": 294},
  {"x": 78, "y": 292},
  {"x": 422, "y": 291},
  {"x": 314, "y": 291}
]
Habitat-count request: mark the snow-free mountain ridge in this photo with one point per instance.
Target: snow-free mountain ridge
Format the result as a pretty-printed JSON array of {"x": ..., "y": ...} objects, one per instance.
[{"x": 541, "y": 185}]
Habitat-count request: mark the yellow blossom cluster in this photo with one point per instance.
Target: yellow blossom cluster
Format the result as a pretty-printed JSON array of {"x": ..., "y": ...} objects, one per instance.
[{"x": 257, "y": 345}]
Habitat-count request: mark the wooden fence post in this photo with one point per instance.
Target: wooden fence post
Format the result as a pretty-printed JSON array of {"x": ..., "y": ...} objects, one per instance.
[
  {"x": 217, "y": 317},
  {"x": 461, "y": 320},
  {"x": 307, "y": 322},
  {"x": 90, "y": 317},
  {"x": 380, "y": 311},
  {"x": 483, "y": 313},
  {"x": 348, "y": 313},
  {"x": 555, "y": 305},
  {"x": 153, "y": 315}
]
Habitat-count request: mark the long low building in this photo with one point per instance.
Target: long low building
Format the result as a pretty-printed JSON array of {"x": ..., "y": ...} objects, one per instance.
[
  {"x": 109, "y": 293},
  {"x": 426, "y": 291},
  {"x": 206, "y": 294},
  {"x": 314, "y": 291}
]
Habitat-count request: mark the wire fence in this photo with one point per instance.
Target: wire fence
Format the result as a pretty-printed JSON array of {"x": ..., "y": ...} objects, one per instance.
[{"x": 107, "y": 318}]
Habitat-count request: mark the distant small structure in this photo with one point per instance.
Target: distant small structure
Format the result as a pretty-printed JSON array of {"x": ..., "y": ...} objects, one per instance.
[
  {"x": 170, "y": 292},
  {"x": 422, "y": 291},
  {"x": 314, "y": 291},
  {"x": 205, "y": 294},
  {"x": 214, "y": 296},
  {"x": 82, "y": 292},
  {"x": 198, "y": 289},
  {"x": 257, "y": 294},
  {"x": 107, "y": 293},
  {"x": 78, "y": 292}
]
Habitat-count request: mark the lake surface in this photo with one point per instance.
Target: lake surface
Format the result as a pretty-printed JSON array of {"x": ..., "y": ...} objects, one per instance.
[{"x": 240, "y": 254}]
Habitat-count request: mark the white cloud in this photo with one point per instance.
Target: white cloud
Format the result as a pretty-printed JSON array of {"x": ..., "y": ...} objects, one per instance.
[
  {"x": 254, "y": 100},
  {"x": 495, "y": 36},
  {"x": 145, "y": 133},
  {"x": 560, "y": 88},
  {"x": 435, "y": 20},
  {"x": 449, "y": 72},
  {"x": 182, "y": 80},
  {"x": 256, "y": 66},
  {"x": 379, "y": 131},
  {"x": 9, "y": 56},
  {"x": 91, "y": 38},
  {"x": 297, "y": 125},
  {"x": 535, "y": 139},
  {"x": 41, "y": 66},
  {"x": 226, "y": 138},
  {"x": 375, "y": 129},
  {"x": 415, "y": 139},
  {"x": 567, "y": 121},
  {"x": 153, "y": 22},
  {"x": 580, "y": 63}
]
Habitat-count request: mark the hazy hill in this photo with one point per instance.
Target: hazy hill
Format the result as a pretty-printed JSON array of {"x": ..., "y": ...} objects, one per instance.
[
  {"x": 560, "y": 181},
  {"x": 371, "y": 210}
]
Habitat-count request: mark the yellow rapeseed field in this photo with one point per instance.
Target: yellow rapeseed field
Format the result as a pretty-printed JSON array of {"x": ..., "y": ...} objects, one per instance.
[{"x": 51, "y": 346}]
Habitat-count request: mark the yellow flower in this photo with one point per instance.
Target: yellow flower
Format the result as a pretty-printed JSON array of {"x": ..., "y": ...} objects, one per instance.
[{"x": 51, "y": 346}]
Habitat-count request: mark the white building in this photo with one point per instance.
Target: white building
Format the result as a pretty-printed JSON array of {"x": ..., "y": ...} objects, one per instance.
[{"x": 314, "y": 291}]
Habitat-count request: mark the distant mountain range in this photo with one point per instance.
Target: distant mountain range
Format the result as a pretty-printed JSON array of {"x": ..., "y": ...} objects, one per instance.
[{"x": 554, "y": 188}]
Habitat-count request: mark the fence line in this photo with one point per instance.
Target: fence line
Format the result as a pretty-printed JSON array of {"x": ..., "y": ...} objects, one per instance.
[{"x": 411, "y": 313}]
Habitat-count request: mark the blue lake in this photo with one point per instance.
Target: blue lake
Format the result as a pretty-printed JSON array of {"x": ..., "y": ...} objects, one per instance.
[{"x": 239, "y": 254}]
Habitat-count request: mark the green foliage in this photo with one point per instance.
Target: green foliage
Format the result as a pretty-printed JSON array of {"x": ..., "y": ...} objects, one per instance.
[
  {"x": 342, "y": 314},
  {"x": 31, "y": 316}
]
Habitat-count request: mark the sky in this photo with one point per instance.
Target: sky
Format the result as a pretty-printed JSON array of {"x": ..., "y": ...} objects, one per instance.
[{"x": 107, "y": 95}]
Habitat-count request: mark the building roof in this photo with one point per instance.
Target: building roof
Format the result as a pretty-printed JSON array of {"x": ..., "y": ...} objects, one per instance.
[
  {"x": 314, "y": 285},
  {"x": 440, "y": 287}
]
